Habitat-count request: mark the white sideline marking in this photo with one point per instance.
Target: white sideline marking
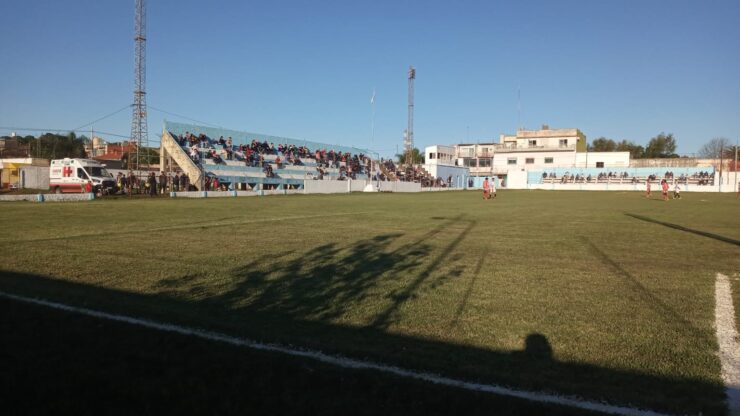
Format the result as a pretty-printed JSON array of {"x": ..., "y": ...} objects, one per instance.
[
  {"x": 729, "y": 350},
  {"x": 345, "y": 362}
]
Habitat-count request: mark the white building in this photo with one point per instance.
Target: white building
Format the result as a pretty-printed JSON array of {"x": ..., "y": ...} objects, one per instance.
[
  {"x": 441, "y": 162},
  {"x": 528, "y": 150}
]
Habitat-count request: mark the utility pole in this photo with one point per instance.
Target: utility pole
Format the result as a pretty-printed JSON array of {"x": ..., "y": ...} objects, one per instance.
[
  {"x": 139, "y": 130},
  {"x": 734, "y": 165},
  {"x": 721, "y": 162},
  {"x": 409, "y": 139}
]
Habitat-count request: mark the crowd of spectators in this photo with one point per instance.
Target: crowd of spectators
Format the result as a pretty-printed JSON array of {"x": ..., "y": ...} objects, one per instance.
[
  {"x": 409, "y": 173},
  {"x": 151, "y": 183},
  {"x": 701, "y": 178},
  {"x": 253, "y": 155}
]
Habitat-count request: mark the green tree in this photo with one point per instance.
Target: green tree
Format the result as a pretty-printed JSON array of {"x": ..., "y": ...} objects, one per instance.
[
  {"x": 636, "y": 151},
  {"x": 416, "y": 156},
  {"x": 602, "y": 144},
  {"x": 661, "y": 146},
  {"x": 55, "y": 146}
]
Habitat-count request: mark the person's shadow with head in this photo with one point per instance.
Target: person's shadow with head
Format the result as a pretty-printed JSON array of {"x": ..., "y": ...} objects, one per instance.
[{"x": 536, "y": 347}]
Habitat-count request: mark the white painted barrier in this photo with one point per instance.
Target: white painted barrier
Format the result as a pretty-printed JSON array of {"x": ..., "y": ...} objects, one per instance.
[
  {"x": 358, "y": 185},
  {"x": 640, "y": 187},
  {"x": 247, "y": 193},
  {"x": 397, "y": 186},
  {"x": 49, "y": 197},
  {"x": 326, "y": 187}
]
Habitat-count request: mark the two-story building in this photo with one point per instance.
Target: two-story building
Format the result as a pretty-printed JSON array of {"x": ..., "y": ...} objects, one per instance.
[{"x": 530, "y": 150}]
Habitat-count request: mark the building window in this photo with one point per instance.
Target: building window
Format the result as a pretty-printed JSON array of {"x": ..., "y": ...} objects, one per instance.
[
  {"x": 484, "y": 163},
  {"x": 511, "y": 161},
  {"x": 532, "y": 143},
  {"x": 431, "y": 155},
  {"x": 469, "y": 163},
  {"x": 563, "y": 142},
  {"x": 599, "y": 164},
  {"x": 529, "y": 160},
  {"x": 548, "y": 160}
]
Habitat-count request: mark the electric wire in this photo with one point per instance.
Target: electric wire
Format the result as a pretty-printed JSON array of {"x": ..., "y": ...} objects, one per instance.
[
  {"x": 103, "y": 118},
  {"x": 185, "y": 117}
]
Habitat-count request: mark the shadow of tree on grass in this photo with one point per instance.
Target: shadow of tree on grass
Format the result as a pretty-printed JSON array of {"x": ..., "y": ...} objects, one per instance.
[{"x": 302, "y": 295}]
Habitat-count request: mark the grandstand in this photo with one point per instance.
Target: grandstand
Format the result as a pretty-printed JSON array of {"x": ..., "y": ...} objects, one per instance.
[
  {"x": 239, "y": 160},
  {"x": 698, "y": 176}
]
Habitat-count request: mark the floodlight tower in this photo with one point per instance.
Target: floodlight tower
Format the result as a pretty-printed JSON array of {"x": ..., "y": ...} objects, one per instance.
[
  {"x": 408, "y": 140},
  {"x": 139, "y": 130}
]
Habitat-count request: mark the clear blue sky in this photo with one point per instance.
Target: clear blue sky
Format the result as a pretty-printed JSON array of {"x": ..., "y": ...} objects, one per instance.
[{"x": 307, "y": 69}]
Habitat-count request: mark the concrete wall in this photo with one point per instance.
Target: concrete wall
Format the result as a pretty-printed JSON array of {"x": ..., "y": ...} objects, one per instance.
[
  {"x": 640, "y": 187},
  {"x": 459, "y": 174},
  {"x": 359, "y": 185},
  {"x": 397, "y": 186},
  {"x": 326, "y": 187},
  {"x": 34, "y": 177},
  {"x": 516, "y": 179},
  {"x": 48, "y": 197},
  {"x": 610, "y": 159}
]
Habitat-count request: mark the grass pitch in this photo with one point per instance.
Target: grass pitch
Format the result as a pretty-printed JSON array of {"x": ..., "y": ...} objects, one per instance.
[{"x": 603, "y": 295}]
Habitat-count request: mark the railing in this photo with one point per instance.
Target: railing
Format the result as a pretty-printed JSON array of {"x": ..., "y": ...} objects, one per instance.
[{"x": 182, "y": 159}]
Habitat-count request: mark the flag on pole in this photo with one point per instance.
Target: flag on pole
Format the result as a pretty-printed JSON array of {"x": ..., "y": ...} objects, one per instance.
[{"x": 372, "y": 99}]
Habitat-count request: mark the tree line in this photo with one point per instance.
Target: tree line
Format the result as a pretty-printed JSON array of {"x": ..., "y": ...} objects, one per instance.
[
  {"x": 663, "y": 146},
  {"x": 660, "y": 146},
  {"x": 59, "y": 146},
  {"x": 52, "y": 146}
]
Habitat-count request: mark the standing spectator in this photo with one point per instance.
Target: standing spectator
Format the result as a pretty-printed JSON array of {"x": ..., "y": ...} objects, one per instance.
[
  {"x": 132, "y": 183},
  {"x": 119, "y": 182},
  {"x": 647, "y": 185},
  {"x": 176, "y": 182},
  {"x": 152, "y": 184},
  {"x": 162, "y": 182}
]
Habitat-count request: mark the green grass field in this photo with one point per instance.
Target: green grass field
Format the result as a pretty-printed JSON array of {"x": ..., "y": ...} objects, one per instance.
[{"x": 606, "y": 296}]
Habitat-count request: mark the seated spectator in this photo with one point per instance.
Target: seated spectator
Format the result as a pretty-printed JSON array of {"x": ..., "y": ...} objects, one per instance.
[{"x": 216, "y": 158}]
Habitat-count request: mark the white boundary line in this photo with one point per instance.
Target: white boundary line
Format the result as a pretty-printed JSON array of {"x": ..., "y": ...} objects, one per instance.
[
  {"x": 343, "y": 361},
  {"x": 729, "y": 350}
]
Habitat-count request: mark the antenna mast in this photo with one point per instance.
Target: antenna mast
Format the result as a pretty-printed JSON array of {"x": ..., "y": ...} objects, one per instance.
[
  {"x": 408, "y": 141},
  {"x": 139, "y": 130}
]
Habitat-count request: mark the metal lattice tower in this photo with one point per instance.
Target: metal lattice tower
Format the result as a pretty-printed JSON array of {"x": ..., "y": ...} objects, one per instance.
[
  {"x": 408, "y": 140},
  {"x": 139, "y": 130}
]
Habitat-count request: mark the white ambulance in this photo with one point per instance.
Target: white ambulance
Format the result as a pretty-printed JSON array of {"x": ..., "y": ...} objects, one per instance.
[{"x": 72, "y": 175}]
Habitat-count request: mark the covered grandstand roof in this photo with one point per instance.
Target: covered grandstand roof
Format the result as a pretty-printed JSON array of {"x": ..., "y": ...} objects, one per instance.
[{"x": 244, "y": 137}]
